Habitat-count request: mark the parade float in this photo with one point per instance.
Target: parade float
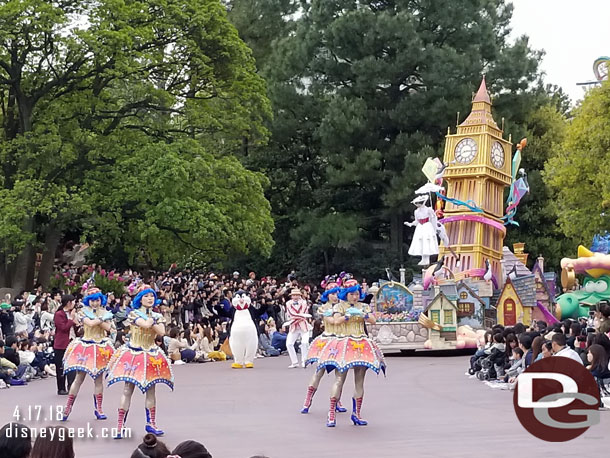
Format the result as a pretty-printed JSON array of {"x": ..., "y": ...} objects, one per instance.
[
  {"x": 476, "y": 281},
  {"x": 586, "y": 283}
]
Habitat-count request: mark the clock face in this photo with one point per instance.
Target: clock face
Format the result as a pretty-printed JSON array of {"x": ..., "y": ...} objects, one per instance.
[
  {"x": 465, "y": 151},
  {"x": 497, "y": 155}
]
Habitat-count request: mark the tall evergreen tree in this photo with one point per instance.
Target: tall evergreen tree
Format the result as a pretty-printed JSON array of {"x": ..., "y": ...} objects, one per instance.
[{"x": 362, "y": 93}]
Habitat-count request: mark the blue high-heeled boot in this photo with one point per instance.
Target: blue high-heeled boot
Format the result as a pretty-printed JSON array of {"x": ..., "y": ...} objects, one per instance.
[
  {"x": 356, "y": 405},
  {"x": 97, "y": 404},
  {"x": 151, "y": 424}
]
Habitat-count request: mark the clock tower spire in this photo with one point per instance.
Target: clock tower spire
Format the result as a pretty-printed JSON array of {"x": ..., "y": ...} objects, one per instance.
[{"x": 478, "y": 171}]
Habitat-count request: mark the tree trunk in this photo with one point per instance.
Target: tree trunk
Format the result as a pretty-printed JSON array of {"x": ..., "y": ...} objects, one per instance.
[
  {"x": 52, "y": 237},
  {"x": 396, "y": 235},
  {"x": 4, "y": 277},
  {"x": 23, "y": 264}
]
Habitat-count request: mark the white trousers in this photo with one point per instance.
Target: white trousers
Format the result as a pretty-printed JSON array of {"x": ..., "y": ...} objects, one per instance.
[{"x": 291, "y": 339}]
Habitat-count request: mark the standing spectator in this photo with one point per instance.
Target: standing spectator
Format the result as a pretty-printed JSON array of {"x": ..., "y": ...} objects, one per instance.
[
  {"x": 604, "y": 325},
  {"x": 55, "y": 301},
  {"x": 6, "y": 316},
  {"x": 21, "y": 320},
  {"x": 64, "y": 322},
  {"x": 46, "y": 317}
]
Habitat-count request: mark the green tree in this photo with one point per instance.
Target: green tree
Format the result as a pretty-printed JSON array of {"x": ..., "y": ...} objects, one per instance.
[
  {"x": 86, "y": 85},
  {"x": 577, "y": 170},
  {"x": 537, "y": 215},
  {"x": 363, "y": 93}
]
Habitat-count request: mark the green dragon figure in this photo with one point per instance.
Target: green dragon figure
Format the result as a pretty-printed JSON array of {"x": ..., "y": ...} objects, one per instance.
[{"x": 595, "y": 287}]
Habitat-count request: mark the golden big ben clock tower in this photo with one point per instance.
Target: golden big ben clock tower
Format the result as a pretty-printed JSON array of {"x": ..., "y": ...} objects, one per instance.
[{"x": 479, "y": 169}]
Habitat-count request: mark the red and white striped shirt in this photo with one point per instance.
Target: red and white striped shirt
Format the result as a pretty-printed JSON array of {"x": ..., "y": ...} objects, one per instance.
[{"x": 294, "y": 312}]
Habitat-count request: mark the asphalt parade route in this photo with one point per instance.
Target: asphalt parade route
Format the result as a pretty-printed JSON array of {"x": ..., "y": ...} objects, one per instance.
[{"x": 426, "y": 407}]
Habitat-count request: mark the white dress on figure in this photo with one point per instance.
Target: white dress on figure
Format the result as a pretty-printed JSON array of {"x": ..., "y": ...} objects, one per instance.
[
  {"x": 425, "y": 242},
  {"x": 244, "y": 338},
  {"x": 296, "y": 312}
]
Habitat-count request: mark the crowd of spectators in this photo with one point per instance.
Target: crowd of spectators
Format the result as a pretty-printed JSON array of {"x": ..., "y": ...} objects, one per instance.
[
  {"x": 36, "y": 327},
  {"x": 508, "y": 351}
]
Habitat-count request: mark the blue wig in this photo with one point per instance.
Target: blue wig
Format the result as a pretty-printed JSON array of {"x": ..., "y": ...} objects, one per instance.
[
  {"x": 137, "y": 301},
  {"x": 328, "y": 292},
  {"x": 352, "y": 289},
  {"x": 93, "y": 297}
]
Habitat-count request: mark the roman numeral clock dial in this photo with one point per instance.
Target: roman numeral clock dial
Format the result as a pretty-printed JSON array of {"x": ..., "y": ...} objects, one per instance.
[
  {"x": 497, "y": 155},
  {"x": 465, "y": 151}
]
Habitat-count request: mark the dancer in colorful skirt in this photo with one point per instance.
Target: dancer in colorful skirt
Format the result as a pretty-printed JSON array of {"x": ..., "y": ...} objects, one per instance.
[
  {"x": 90, "y": 354},
  {"x": 352, "y": 349},
  {"x": 329, "y": 299},
  {"x": 141, "y": 362}
]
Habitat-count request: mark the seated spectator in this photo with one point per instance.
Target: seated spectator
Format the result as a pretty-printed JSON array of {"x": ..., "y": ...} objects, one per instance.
[
  {"x": 191, "y": 449},
  {"x": 519, "y": 329},
  {"x": 278, "y": 340},
  {"x": 516, "y": 366},
  {"x": 537, "y": 348},
  {"x": 151, "y": 447},
  {"x": 525, "y": 344},
  {"x": 55, "y": 443},
  {"x": 161, "y": 344},
  {"x": 561, "y": 349},
  {"x": 264, "y": 342},
  {"x": 178, "y": 348},
  {"x": 15, "y": 441},
  {"x": 598, "y": 361},
  {"x": 120, "y": 339},
  {"x": 10, "y": 350},
  {"x": 540, "y": 326},
  {"x": 547, "y": 349},
  {"x": 603, "y": 340},
  {"x": 497, "y": 354},
  {"x": 208, "y": 340},
  {"x": 487, "y": 341},
  {"x": 575, "y": 330},
  {"x": 29, "y": 354}
]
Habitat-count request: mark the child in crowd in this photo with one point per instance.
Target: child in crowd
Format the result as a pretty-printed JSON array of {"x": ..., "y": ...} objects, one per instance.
[{"x": 516, "y": 366}]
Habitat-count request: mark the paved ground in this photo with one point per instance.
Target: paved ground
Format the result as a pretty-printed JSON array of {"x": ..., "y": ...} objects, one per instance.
[{"x": 426, "y": 407}]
